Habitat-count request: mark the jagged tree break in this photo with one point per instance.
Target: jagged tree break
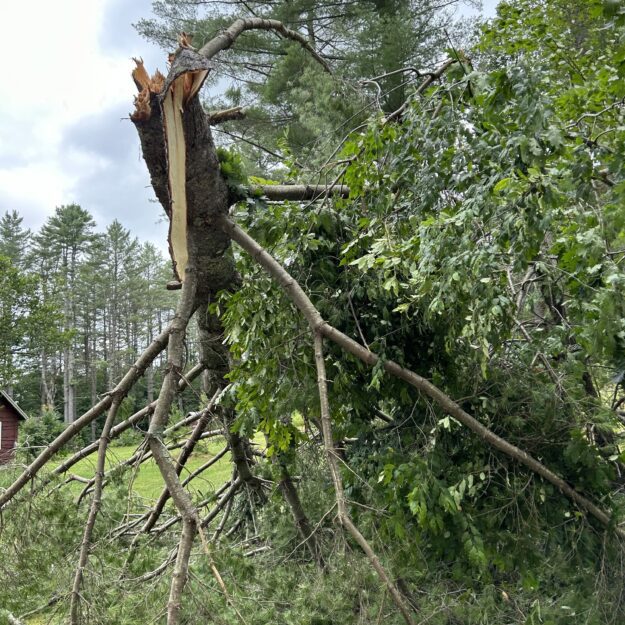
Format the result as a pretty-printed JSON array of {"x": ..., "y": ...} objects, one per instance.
[{"x": 409, "y": 200}]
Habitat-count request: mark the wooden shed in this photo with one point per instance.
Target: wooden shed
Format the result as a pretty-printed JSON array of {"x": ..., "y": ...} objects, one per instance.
[{"x": 10, "y": 416}]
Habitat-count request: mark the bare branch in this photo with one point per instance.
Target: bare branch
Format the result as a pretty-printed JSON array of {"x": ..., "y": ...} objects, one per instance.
[
  {"x": 219, "y": 117},
  {"x": 96, "y": 503},
  {"x": 128, "y": 423},
  {"x": 225, "y": 40},
  {"x": 299, "y": 192},
  {"x": 121, "y": 390},
  {"x": 335, "y": 471}
]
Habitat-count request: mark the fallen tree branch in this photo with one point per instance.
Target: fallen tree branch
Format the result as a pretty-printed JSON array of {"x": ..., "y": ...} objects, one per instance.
[
  {"x": 96, "y": 503},
  {"x": 185, "y": 454},
  {"x": 335, "y": 471},
  {"x": 127, "y": 424},
  {"x": 182, "y": 500},
  {"x": 448, "y": 405}
]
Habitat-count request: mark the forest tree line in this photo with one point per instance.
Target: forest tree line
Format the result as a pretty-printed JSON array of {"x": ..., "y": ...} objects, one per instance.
[{"x": 77, "y": 306}]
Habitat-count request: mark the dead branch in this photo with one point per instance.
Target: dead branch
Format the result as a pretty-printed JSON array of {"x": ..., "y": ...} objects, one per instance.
[
  {"x": 139, "y": 457},
  {"x": 120, "y": 391},
  {"x": 224, "y": 40},
  {"x": 185, "y": 454},
  {"x": 96, "y": 503},
  {"x": 448, "y": 405},
  {"x": 137, "y": 417},
  {"x": 335, "y": 471},
  {"x": 219, "y": 117},
  {"x": 435, "y": 75}
]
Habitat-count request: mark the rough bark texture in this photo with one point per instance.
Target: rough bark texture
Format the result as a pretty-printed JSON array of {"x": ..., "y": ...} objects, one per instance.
[{"x": 210, "y": 268}]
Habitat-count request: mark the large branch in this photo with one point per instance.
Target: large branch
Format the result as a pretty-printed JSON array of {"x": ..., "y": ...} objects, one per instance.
[
  {"x": 448, "y": 405},
  {"x": 121, "y": 390},
  {"x": 224, "y": 40}
]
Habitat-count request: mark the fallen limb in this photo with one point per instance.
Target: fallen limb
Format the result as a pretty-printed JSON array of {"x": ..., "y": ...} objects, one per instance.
[
  {"x": 184, "y": 310},
  {"x": 96, "y": 503},
  {"x": 139, "y": 457},
  {"x": 137, "y": 417},
  {"x": 335, "y": 471},
  {"x": 448, "y": 405},
  {"x": 185, "y": 454}
]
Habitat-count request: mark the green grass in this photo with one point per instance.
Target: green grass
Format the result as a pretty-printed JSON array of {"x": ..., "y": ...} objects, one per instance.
[{"x": 146, "y": 481}]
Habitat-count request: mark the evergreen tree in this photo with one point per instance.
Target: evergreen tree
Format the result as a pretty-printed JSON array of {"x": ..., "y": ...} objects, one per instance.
[
  {"x": 14, "y": 240},
  {"x": 295, "y": 109},
  {"x": 63, "y": 241}
]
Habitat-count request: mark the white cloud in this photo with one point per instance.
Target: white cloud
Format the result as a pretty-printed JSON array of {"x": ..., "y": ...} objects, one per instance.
[{"x": 59, "y": 77}]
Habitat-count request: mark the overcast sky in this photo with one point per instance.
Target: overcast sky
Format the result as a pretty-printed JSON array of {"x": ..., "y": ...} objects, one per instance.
[{"x": 65, "y": 97}]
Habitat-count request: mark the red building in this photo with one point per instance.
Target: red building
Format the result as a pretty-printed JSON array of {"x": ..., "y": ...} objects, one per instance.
[{"x": 10, "y": 416}]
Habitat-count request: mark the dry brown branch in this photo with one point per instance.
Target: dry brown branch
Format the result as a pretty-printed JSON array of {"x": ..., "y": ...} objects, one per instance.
[
  {"x": 137, "y": 417},
  {"x": 85, "y": 547},
  {"x": 448, "y": 405},
  {"x": 185, "y": 454}
]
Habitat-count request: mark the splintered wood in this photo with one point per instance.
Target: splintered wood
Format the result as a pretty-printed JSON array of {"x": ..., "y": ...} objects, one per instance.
[{"x": 172, "y": 98}]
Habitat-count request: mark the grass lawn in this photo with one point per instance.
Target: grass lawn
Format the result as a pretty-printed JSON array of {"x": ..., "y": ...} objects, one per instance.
[{"x": 148, "y": 483}]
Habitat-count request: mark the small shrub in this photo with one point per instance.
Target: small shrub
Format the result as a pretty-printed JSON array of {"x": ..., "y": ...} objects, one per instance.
[{"x": 38, "y": 432}]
